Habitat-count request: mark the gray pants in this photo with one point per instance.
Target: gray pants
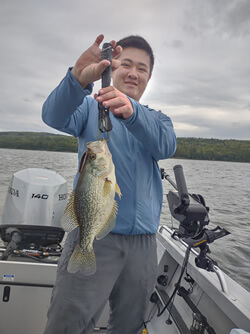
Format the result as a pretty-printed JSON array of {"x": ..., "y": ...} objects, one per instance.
[{"x": 126, "y": 272}]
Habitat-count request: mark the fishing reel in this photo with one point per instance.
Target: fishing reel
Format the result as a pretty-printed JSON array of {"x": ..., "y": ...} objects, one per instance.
[{"x": 192, "y": 213}]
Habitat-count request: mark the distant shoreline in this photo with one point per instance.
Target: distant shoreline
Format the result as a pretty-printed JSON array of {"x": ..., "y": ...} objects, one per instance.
[{"x": 188, "y": 148}]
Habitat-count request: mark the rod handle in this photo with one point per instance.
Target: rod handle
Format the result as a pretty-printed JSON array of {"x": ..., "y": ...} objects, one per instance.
[
  {"x": 181, "y": 185},
  {"x": 106, "y": 54}
]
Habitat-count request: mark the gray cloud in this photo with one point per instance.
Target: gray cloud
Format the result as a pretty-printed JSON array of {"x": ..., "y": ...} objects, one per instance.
[
  {"x": 176, "y": 44},
  {"x": 212, "y": 17},
  {"x": 201, "y": 76}
]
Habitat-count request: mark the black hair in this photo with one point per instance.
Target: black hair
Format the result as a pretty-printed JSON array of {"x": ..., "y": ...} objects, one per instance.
[{"x": 137, "y": 42}]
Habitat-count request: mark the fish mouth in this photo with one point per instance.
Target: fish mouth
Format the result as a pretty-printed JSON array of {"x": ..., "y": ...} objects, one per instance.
[
  {"x": 97, "y": 146},
  {"x": 99, "y": 149},
  {"x": 94, "y": 146}
]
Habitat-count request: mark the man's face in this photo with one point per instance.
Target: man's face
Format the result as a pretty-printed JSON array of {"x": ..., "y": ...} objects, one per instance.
[{"x": 132, "y": 76}]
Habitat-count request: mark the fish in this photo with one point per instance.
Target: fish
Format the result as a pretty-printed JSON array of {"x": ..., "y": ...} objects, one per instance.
[{"x": 92, "y": 206}]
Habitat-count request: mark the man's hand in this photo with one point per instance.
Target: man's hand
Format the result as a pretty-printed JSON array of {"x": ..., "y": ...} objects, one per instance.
[
  {"x": 89, "y": 66},
  {"x": 117, "y": 102}
]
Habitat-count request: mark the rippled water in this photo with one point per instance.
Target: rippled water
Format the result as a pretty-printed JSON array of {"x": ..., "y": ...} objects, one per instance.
[{"x": 224, "y": 185}]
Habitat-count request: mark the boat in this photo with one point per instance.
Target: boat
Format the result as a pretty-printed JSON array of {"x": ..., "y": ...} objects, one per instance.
[{"x": 191, "y": 294}]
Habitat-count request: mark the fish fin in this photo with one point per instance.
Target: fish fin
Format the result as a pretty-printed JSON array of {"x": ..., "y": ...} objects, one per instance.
[
  {"x": 107, "y": 187},
  {"x": 109, "y": 225},
  {"x": 118, "y": 191},
  {"x": 69, "y": 220},
  {"x": 83, "y": 261}
]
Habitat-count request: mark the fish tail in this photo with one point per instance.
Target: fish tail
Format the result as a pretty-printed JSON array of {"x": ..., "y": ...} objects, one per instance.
[{"x": 82, "y": 260}]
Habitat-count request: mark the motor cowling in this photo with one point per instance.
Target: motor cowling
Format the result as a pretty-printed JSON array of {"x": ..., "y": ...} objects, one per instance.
[{"x": 35, "y": 202}]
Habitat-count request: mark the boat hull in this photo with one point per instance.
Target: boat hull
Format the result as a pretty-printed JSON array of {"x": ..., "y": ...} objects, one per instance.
[
  {"x": 26, "y": 287},
  {"x": 223, "y": 302}
]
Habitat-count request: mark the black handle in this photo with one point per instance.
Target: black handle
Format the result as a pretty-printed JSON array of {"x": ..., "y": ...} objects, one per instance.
[
  {"x": 106, "y": 54},
  {"x": 181, "y": 185},
  {"x": 104, "y": 122}
]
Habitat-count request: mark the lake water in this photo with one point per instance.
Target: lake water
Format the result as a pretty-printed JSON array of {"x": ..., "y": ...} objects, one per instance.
[{"x": 224, "y": 185}]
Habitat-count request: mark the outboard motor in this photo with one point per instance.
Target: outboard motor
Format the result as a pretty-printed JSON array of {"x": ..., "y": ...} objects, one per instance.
[{"x": 34, "y": 205}]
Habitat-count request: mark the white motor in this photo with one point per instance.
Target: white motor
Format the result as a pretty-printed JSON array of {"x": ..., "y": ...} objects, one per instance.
[{"x": 35, "y": 202}]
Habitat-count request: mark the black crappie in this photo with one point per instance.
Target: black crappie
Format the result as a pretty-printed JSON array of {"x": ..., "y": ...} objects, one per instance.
[{"x": 92, "y": 206}]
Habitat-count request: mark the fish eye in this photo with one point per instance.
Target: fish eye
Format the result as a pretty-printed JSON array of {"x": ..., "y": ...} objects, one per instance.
[{"x": 92, "y": 156}]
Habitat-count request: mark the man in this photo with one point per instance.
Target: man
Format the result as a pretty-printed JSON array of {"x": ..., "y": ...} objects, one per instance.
[{"x": 126, "y": 258}]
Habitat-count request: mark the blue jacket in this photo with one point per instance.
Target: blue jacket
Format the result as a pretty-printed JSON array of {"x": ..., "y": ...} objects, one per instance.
[{"x": 136, "y": 144}]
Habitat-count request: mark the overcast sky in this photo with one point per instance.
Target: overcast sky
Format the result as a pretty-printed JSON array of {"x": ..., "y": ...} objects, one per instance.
[{"x": 201, "y": 77}]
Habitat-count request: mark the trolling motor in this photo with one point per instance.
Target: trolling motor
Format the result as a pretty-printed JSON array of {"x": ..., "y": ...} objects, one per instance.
[{"x": 192, "y": 214}]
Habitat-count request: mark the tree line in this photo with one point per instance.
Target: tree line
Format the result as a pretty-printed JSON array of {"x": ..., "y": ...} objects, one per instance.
[{"x": 187, "y": 148}]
